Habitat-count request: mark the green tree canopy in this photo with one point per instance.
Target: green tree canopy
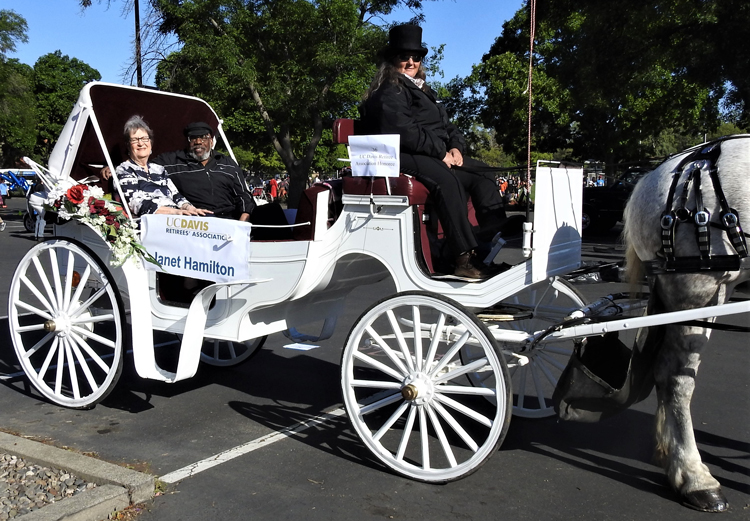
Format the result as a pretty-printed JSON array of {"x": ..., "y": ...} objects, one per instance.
[
  {"x": 17, "y": 116},
  {"x": 278, "y": 72},
  {"x": 610, "y": 78},
  {"x": 58, "y": 80}
]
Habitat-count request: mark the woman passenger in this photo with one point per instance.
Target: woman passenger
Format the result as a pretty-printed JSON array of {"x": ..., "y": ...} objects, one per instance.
[{"x": 400, "y": 102}]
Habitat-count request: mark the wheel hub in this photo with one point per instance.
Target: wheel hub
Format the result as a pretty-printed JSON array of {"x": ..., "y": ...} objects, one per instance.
[
  {"x": 60, "y": 324},
  {"x": 418, "y": 388}
]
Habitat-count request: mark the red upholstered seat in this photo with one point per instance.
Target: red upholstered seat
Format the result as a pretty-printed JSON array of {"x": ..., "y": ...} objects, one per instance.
[{"x": 403, "y": 185}]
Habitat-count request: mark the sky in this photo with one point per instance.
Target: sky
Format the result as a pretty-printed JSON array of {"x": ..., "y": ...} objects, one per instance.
[{"x": 103, "y": 38}]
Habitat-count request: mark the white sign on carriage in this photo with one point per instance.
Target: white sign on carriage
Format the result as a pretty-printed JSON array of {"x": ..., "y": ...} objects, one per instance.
[
  {"x": 198, "y": 247},
  {"x": 375, "y": 156}
]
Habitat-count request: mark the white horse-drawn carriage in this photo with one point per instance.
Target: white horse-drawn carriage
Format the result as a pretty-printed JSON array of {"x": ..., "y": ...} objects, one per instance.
[{"x": 430, "y": 374}]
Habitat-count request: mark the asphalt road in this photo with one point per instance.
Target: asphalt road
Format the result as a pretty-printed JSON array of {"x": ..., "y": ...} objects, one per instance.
[{"x": 545, "y": 469}]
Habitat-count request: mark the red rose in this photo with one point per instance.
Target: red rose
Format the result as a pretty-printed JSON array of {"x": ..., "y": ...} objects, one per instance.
[
  {"x": 75, "y": 194},
  {"x": 109, "y": 219},
  {"x": 99, "y": 203}
]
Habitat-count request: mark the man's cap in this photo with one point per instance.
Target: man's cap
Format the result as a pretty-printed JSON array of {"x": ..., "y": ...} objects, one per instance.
[{"x": 198, "y": 128}]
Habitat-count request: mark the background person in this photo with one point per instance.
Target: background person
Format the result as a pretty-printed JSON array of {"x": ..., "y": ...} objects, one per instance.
[{"x": 400, "y": 102}]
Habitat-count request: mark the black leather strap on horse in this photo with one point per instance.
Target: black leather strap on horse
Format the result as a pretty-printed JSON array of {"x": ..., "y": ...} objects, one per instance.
[{"x": 702, "y": 158}]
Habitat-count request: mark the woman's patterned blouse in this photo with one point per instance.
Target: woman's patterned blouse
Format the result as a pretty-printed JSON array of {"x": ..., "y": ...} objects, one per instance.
[{"x": 146, "y": 191}]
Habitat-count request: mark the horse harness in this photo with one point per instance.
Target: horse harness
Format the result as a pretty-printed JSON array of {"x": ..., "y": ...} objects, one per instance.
[{"x": 697, "y": 165}]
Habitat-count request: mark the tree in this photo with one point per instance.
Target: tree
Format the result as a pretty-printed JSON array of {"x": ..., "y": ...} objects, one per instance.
[
  {"x": 17, "y": 117},
  {"x": 58, "y": 80},
  {"x": 610, "y": 78},
  {"x": 279, "y": 71}
]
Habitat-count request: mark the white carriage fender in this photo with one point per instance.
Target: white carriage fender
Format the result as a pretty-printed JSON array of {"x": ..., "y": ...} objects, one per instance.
[{"x": 142, "y": 325}]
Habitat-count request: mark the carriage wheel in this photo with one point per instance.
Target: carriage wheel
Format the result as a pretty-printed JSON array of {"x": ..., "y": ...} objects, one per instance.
[
  {"x": 409, "y": 396},
  {"x": 66, "y": 323},
  {"x": 225, "y": 353},
  {"x": 541, "y": 305}
]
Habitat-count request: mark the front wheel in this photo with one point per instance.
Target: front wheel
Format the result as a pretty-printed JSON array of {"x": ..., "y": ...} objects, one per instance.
[
  {"x": 225, "y": 353},
  {"x": 66, "y": 323},
  {"x": 411, "y": 398}
]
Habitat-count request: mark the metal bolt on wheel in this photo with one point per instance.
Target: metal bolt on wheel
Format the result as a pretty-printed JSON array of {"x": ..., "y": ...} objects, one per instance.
[
  {"x": 410, "y": 397},
  {"x": 66, "y": 323}
]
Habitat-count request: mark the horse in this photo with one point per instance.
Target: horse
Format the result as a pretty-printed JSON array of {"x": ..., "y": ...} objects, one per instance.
[{"x": 656, "y": 236}]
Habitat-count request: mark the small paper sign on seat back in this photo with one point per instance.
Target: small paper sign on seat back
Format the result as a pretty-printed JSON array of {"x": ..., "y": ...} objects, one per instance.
[{"x": 376, "y": 155}]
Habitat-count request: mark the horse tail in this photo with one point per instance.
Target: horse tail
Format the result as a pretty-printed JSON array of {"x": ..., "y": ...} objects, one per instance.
[{"x": 635, "y": 270}]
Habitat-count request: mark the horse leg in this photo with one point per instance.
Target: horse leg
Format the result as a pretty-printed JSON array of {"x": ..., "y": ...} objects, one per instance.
[{"x": 674, "y": 373}]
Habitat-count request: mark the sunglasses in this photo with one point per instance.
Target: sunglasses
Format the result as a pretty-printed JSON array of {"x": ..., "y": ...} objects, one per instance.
[
  {"x": 205, "y": 137},
  {"x": 406, "y": 56}
]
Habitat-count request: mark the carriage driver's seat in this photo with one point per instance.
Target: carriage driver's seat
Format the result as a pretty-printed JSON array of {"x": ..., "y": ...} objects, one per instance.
[{"x": 404, "y": 185}]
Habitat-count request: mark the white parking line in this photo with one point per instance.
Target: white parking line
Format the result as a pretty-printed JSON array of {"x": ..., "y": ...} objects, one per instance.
[{"x": 227, "y": 455}]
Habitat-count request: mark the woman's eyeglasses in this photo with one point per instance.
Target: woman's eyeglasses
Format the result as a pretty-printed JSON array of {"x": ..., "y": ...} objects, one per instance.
[
  {"x": 144, "y": 139},
  {"x": 414, "y": 57}
]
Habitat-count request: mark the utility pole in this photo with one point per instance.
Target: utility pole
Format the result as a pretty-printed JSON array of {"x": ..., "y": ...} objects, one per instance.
[{"x": 138, "y": 70}]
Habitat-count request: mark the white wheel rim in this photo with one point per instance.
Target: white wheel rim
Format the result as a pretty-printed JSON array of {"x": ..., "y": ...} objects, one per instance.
[
  {"x": 76, "y": 360},
  {"x": 412, "y": 403},
  {"x": 534, "y": 383}
]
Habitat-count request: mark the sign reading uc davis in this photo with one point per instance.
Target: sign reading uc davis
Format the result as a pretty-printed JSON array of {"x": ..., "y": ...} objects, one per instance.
[{"x": 205, "y": 248}]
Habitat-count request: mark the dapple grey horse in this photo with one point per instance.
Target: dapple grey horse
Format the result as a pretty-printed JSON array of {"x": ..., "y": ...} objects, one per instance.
[{"x": 680, "y": 352}]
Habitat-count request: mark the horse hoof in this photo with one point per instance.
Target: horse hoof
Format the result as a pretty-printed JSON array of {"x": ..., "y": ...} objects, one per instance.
[{"x": 706, "y": 500}]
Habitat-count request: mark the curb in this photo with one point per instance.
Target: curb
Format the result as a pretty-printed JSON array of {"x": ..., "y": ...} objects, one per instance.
[{"x": 117, "y": 487}]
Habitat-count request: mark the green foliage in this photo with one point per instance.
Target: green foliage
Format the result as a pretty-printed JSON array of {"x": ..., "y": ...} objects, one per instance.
[
  {"x": 17, "y": 118},
  {"x": 617, "y": 80},
  {"x": 58, "y": 80},
  {"x": 278, "y": 72}
]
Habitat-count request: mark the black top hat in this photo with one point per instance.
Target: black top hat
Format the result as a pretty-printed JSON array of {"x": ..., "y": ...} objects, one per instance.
[{"x": 405, "y": 37}]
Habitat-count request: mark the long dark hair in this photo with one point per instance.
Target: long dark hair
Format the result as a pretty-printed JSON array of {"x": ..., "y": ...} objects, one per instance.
[{"x": 388, "y": 73}]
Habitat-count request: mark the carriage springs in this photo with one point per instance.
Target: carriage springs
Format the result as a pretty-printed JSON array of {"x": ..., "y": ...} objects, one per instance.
[{"x": 196, "y": 229}]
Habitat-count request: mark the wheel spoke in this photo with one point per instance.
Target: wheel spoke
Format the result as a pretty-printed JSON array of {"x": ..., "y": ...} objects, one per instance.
[
  {"x": 68, "y": 281},
  {"x": 45, "y": 282},
  {"x": 544, "y": 360},
  {"x": 367, "y": 409},
  {"x": 48, "y": 359},
  {"x": 39, "y": 344},
  {"x": 406, "y": 434},
  {"x": 450, "y": 420},
  {"x": 33, "y": 327},
  {"x": 464, "y": 389},
  {"x": 55, "y": 268},
  {"x": 466, "y": 411},
  {"x": 376, "y": 384},
  {"x": 79, "y": 288},
  {"x": 416, "y": 318},
  {"x": 434, "y": 342},
  {"x": 85, "y": 333},
  {"x": 424, "y": 439},
  {"x": 60, "y": 367},
  {"x": 394, "y": 417},
  {"x": 537, "y": 384},
  {"x": 455, "y": 348},
  {"x": 84, "y": 366},
  {"x": 92, "y": 354},
  {"x": 400, "y": 339},
  {"x": 441, "y": 437},
  {"x": 473, "y": 366},
  {"x": 91, "y": 319},
  {"x": 38, "y": 294},
  {"x": 72, "y": 369},
  {"x": 378, "y": 365},
  {"x": 390, "y": 353},
  {"x": 84, "y": 306}
]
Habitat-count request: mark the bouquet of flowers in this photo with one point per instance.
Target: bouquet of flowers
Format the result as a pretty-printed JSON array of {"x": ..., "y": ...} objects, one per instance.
[{"x": 87, "y": 204}]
